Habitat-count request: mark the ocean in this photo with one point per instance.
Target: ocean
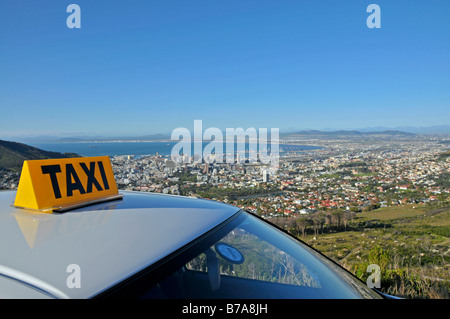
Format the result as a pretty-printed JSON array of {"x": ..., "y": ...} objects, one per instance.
[{"x": 137, "y": 148}]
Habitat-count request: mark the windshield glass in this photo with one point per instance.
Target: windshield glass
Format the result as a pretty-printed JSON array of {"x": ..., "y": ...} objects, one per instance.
[{"x": 249, "y": 258}]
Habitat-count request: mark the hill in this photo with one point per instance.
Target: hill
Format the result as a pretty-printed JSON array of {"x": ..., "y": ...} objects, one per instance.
[
  {"x": 12, "y": 155},
  {"x": 410, "y": 243}
]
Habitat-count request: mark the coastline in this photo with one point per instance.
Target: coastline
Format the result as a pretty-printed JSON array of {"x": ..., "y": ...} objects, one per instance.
[{"x": 142, "y": 147}]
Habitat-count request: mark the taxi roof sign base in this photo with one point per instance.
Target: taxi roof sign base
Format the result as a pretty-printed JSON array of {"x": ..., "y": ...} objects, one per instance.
[{"x": 64, "y": 208}]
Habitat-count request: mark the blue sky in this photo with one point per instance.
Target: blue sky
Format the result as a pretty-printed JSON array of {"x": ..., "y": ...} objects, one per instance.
[{"x": 146, "y": 66}]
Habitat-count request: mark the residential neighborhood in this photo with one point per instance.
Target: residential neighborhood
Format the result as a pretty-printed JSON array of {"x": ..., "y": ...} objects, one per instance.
[{"x": 342, "y": 176}]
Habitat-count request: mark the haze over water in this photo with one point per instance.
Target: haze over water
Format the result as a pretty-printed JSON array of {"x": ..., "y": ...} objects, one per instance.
[{"x": 137, "y": 148}]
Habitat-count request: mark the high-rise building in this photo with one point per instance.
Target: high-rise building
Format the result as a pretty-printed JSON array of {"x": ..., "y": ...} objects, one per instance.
[{"x": 265, "y": 176}]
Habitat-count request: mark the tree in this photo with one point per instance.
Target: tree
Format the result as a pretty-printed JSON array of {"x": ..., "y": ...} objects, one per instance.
[
  {"x": 315, "y": 222},
  {"x": 320, "y": 218},
  {"x": 302, "y": 224},
  {"x": 328, "y": 219},
  {"x": 336, "y": 218},
  {"x": 346, "y": 217}
]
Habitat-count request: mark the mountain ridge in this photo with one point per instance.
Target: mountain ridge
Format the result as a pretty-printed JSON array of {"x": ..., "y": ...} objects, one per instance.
[
  {"x": 354, "y": 133},
  {"x": 166, "y": 137},
  {"x": 13, "y": 154}
]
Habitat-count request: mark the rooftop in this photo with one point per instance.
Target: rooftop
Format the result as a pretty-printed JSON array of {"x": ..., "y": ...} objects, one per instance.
[{"x": 108, "y": 241}]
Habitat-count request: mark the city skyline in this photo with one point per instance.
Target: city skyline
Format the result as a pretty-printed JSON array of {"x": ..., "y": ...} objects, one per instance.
[{"x": 149, "y": 67}]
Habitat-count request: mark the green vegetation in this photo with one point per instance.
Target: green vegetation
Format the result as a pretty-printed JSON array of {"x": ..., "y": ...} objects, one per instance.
[
  {"x": 353, "y": 164},
  {"x": 184, "y": 176},
  {"x": 364, "y": 174},
  {"x": 444, "y": 156},
  {"x": 330, "y": 176},
  {"x": 409, "y": 243},
  {"x": 13, "y": 154},
  {"x": 443, "y": 180}
]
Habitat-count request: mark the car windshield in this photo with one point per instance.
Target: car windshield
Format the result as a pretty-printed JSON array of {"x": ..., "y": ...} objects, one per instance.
[{"x": 248, "y": 258}]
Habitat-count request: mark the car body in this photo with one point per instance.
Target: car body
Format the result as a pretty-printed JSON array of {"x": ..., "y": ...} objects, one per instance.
[{"x": 149, "y": 245}]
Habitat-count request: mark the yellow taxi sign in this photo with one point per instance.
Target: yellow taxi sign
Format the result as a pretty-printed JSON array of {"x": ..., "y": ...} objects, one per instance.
[{"x": 59, "y": 184}]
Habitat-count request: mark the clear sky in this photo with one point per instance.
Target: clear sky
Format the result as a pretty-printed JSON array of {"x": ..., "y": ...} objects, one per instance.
[{"x": 150, "y": 66}]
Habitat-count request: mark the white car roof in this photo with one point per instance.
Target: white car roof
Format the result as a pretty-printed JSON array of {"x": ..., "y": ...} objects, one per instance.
[{"x": 109, "y": 241}]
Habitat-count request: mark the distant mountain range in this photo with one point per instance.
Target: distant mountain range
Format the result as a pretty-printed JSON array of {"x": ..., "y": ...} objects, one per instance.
[
  {"x": 345, "y": 133},
  {"x": 154, "y": 137},
  {"x": 404, "y": 131},
  {"x": 436, "y": 129},
  {"x": 13, "y": 154}
]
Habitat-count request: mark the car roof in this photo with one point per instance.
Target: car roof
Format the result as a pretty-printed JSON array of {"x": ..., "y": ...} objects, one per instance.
[{"x": 109, "y": 241}]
